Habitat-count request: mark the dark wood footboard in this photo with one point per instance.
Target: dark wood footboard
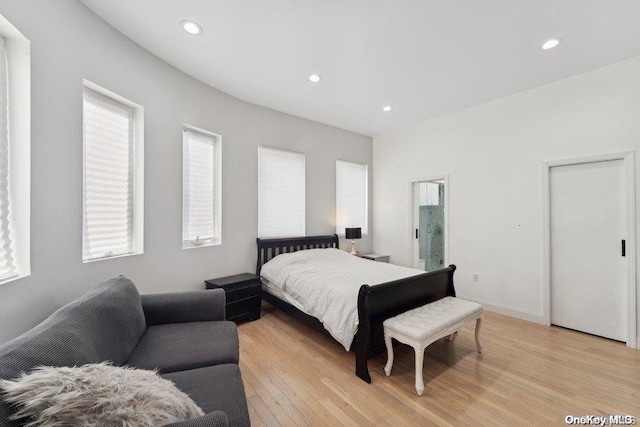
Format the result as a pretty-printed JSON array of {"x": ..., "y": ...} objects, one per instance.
[
  {"x": 378, "y": 303},
  {"x": 375, "y": 303}
]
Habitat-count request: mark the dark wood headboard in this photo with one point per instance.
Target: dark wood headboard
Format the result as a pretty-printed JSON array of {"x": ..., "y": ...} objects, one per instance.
[{"x": 270, "y": 248}]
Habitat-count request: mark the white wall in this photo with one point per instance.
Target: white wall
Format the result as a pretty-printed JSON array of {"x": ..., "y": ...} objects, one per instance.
[
  {"x": 493, "y": 155},
  {"x": 70, "y": 43}
]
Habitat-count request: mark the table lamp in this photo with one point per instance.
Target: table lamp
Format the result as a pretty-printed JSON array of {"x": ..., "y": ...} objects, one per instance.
[{"x": 353, "y": 234}]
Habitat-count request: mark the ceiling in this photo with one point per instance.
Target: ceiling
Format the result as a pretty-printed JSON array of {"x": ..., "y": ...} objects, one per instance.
[{"x": 425, "y": 58}]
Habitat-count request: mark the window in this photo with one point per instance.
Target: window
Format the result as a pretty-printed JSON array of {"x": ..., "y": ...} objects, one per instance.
[
  {"x": 7, "y": 262},
  {"x": 201, "y": 188},
  {"x": 112, "y": 208},
  {"x": 351, "y": 196},
  {"x": 15, "y": 153},
  {"x": 281, "y": 187}
]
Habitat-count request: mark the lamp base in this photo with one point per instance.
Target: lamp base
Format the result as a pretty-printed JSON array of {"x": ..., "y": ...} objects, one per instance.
[{"x": 353, "y": 248}]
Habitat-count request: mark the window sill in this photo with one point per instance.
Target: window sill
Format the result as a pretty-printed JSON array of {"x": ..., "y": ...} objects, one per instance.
[
  {"x": 192, "y": 245},
  {"x": 14, "y": 278},
  {"x": 88, "y": 261}
]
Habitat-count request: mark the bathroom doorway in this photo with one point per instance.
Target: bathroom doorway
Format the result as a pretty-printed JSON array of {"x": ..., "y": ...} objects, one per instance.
[{"x": 429, "y": 224}]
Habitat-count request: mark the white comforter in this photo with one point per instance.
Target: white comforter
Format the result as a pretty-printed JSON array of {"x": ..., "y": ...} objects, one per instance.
[{"x": 325, "y": 282}]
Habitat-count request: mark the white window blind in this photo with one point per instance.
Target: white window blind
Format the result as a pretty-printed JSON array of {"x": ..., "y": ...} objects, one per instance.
[
  {"x": 200, "y": 187},
  {"x": 108, "y": 128},
  {"x": 351, "y": 196},
  {"x": 7, "y": 261},
  {"x": 281, "y": 193}
]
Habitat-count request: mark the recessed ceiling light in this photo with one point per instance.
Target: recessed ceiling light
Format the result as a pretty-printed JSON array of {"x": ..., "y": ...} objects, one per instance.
[
  {"x": 191, "y": 27},
  {"x": 386, "y": 108},
  {"x": 315, "y": 78},
  {"x": 550, "y": 44}
]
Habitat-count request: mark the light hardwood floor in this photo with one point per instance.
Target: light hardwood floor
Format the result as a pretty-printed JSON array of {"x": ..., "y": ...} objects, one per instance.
[{"x": 527, "y": 375}]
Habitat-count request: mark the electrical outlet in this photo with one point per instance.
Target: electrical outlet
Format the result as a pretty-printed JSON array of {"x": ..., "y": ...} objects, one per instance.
[{"x": 476, "y": 277}]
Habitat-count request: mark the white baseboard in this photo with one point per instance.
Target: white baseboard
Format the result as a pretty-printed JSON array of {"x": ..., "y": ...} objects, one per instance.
[{"x": 508, "y": 311}]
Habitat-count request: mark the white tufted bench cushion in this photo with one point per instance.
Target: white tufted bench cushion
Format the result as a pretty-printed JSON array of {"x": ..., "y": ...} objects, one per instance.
[
  {"x": 425, "y": 321},
  {"x": 424, "y": 325}
]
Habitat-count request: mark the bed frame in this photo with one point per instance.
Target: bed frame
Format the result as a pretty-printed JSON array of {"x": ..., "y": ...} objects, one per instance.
[{"x": 375, "y": 303}]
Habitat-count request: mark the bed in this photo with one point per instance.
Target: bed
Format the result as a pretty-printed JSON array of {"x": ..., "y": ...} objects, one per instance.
[{"x": 374, "y": 303}]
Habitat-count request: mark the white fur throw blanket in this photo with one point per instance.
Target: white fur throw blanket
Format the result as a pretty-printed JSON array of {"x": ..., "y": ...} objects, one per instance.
[{"x": 97, "y": 395}]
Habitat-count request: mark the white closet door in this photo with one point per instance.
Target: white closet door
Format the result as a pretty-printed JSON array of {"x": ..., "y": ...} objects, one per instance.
[{"x": 588, "y": 271}]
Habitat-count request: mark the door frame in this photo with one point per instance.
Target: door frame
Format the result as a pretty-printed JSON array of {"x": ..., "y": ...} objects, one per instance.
[
  {"x": 413, "y": 218},
  {"x": 630, "y": 194}
]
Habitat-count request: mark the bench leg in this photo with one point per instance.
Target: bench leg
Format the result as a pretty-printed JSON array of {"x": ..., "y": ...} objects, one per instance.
[
  {"x": 389, "y": 344},
  {"x": 419, "y": 362},
  {"x": 478, "y": 324},
  {"x": 451, "y": 337}
]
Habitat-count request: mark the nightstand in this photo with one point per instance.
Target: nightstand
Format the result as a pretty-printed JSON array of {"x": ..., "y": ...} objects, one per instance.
[
  {"x": 243, "y": 295},
  {"x": 376, "y": 257}
]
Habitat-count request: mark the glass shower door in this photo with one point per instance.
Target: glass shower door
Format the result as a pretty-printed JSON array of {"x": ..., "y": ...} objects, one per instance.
[{"x": 429, "y": 200}]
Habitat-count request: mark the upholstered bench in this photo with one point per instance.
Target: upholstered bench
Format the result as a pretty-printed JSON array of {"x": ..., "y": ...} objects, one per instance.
[{"x": 424, "y": 325}]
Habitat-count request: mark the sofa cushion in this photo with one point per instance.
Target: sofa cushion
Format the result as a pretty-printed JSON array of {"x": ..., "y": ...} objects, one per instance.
[
  {"x": 213, "y": 419},
  {"x": 105, "y": 324},
  {"x": 215, "y": 388},
  {"x": 180, "y": 346}
]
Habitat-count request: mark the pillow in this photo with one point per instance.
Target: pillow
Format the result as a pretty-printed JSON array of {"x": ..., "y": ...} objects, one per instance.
[{"x": 97, "y": 395}]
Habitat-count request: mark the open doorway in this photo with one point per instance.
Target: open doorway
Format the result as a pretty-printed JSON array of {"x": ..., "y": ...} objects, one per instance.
[{"x": 430, "y": 224}]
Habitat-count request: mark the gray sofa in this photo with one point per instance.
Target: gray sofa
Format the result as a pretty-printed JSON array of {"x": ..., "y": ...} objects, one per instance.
[{"x": 183, "y": 335}]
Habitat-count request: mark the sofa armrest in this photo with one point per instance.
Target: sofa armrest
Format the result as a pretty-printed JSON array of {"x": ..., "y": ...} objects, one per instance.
[
  {"x": 182, "y": 307},
  {"x": 212, "y": 419}
]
